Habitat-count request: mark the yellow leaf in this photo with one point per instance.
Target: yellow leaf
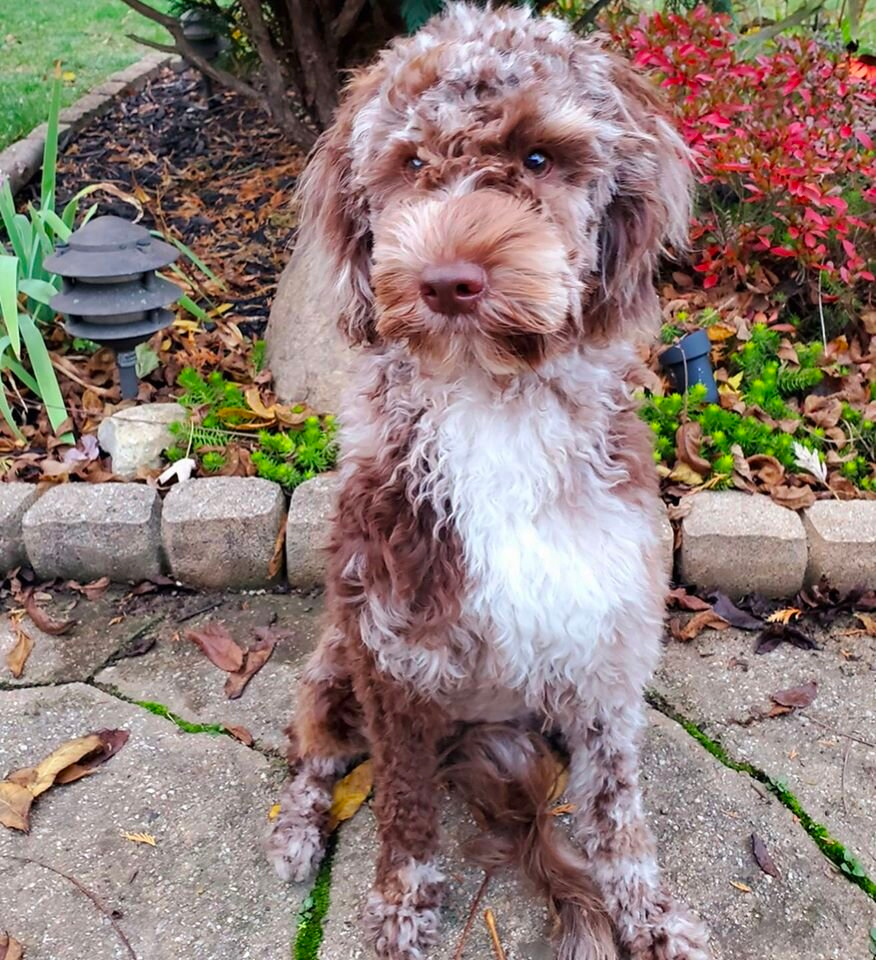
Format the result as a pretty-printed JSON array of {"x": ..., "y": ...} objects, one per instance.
[
  {"x": 735, "y": 381},
  {"x": 868, "y": 622},
  {"x": 17, "y": 656},
  {"x": 744, "y": 887},
  {"x": 68, "y": 76},
  {"x": 253, "y": 398},
  {"x": 350, "y": 793},
  {"x": 166, "y": 344},
  {"x": 682, "y": 473},
  {"x": 785, "y": 615},
  {"x": 191, "y": 326},
  {"x": 146, "y": 838},
  {"x": 562, "y": 808},
  {"x": 720, "y": 331},
  {"x": 221, "y": 309},
  {"x": 274, "y": 812}
]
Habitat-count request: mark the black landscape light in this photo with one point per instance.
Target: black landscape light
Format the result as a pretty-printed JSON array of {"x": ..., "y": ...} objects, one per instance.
[
  {"x": 111, "y": 293},
  {"x": 200, "y": 31},
  {"x": 688, "y": 362}
]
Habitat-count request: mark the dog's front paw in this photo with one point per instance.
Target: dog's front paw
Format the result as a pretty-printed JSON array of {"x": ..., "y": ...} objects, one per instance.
[
  {"x": 673, "y": 934},
  {"x": 402, "y": 914}
]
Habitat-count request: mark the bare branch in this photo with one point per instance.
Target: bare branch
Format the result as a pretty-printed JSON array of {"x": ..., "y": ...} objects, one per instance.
[
  {"x": 151, "y": 13},
  {"x": 346, "y": 19},
  {"x": 163, "y": 47}
]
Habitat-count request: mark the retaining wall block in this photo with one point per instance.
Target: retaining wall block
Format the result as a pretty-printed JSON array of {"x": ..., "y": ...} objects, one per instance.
[
  {"x": 221, "y": 532},
  {"x": 842, "y": 543},
  {"x": 307, "y": 529},
  {"x": 15, "y": 500},
  {"x": 738, "y": 543},
  {"x": 83, "y": 531}
]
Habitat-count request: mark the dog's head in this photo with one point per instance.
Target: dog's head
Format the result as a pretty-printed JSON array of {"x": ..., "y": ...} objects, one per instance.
[{"x": 495, "y": 189}]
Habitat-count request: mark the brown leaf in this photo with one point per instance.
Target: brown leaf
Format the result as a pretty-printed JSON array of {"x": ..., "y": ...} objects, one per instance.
[
  {"x": 10, "y": 948},
  {"x": 42, "y": 621},
  {"x": 736, "y": 617},
  {"x": 276, "y": 563},
  {"x": 743, "y": 887},
  {"x": 688, "y": 441},
  {"x": 91, "y": 591},
  {"x": 778, "y": 633},
  {"x": 218, "y": 646},
  {"x": 686, "y": 601},
  {"x": 706, "y": 619},
  {"x": 350, "y": 793},
  {"x": 798, "y": 697},
  {"x": 17, "y": 656},
  {"x": 111, "y": 741},
  {"x": 682, "y": 473},
  {"x": 823, "y": 411},
  {"x": 766, "y": 469},
  {"x": 794, "y": 498},
  {"x": 762, "y": 856},
  {"x": 240, "y": 733},
  {"x": 256, "y": 657},
  {"x": 868, "y": 623}
]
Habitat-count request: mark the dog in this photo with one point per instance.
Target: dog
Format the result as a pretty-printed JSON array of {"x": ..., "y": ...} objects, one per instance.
[{"x": 488, "y": 209}]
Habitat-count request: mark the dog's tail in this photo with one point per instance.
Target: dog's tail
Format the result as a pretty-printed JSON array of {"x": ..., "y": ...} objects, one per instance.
[{"x": 509, "y": 776}]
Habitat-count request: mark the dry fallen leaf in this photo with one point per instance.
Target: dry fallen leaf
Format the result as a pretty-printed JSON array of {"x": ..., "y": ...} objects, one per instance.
[
  {"x": 91, "y": 591},
  {"x": 682, "y": 473},
  {"x": 17, "y": 656},
  {"x": 798, "y": 697},
  {"x": 687, "y": 601},
  {"x": 276, "y": 563},
  {"x": 239, "y": 733},
  {"x": 10, "y": 948},
  {"x": 69, "y": 762},
  {"x": 794, "y": 498},
  {"x": 42, "y": 621},
  {"x": 762, "y": 856},
  {"x": 705, "y": 619},
  {"x": 218, "y": 645},
  {"x": 868, "y": 623},
  {"x": 786, "y": 615},
  {"x": 350, "y": 793},
  {"x": 562, "y": 808},
  {"x": 274, "y": 812},
  {"x": 254, "y": 659},
  {"x": 146, "y": 838},
  {"x": 688, "y": 442},
  {"x": 744, "y": 887}
]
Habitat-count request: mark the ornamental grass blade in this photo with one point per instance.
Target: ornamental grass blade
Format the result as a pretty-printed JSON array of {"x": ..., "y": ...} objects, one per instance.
[
  {"x": 44, "y": 372},
  {"x": 50, "y": 153},
  {"x": 9, "y": 301}
]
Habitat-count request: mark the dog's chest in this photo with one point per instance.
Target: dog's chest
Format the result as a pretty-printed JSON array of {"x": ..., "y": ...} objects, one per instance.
[{"x": 553, "y": 555}]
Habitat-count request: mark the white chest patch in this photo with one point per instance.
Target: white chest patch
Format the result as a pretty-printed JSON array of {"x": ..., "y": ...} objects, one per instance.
[{"x": 555, "y": 558}]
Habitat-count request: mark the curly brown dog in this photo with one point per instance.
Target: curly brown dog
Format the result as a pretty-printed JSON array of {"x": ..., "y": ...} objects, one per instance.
[{"x": 487, "y": 211}]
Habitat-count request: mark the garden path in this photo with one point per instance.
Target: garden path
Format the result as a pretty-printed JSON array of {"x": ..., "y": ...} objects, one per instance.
[{"x": 205, "y": 892}]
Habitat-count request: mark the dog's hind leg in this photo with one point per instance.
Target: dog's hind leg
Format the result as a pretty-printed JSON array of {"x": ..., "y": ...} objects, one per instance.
[
  {"x": 610, "y": 826},
  {"x": 324, "y": 736},
  {"x": 402, "y": 912}
]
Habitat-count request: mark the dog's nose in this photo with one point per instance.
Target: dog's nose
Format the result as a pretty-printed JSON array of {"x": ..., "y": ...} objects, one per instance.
[{"x": 452, "y": 288}]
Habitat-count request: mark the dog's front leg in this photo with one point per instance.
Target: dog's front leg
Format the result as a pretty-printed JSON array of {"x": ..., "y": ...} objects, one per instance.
[
  {"x": 402, "y": 912},
  {"x": 611, "y": 827}
]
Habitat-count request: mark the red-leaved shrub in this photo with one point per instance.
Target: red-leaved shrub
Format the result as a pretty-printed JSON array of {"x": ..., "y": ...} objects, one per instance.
[{"x": 784, "y": 149}]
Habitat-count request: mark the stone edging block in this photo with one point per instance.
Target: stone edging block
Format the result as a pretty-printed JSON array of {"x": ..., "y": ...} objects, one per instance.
[
  {"x": 21, "y": 160},
  {"x": 15, "y": 500},
  {"x": 739, "y": 543},
  {"x": 842, "y": 543},
  {"x": 307, "y": 529},
  {"x": 83, "y": 531},
  {"x": 221, "y": 532}
]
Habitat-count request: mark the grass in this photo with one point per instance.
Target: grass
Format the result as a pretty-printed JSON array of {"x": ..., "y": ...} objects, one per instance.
[
  {"x": 87, "y": 36},
  {"x": 314, "y": 909}
]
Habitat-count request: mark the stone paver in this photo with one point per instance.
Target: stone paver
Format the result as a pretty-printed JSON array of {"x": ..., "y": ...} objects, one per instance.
[
  {"x": 83, "y": 531},
  {"x": 204, "y": 892},
  {"x": 743, "y": 544},
  {"x": 842, "y": 543},
  {"x": 718, "y": 682},
  {"x": 220, "y": 532},
  {"x": 176, "y": 673},
  {"x": 703, "y": 815},
  {"x": 15, "y": 499},
  {"x": 136, "y": 436},
  {"x": 307, "y": 529}
]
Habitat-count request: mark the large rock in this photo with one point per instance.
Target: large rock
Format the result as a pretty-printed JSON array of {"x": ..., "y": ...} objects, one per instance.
[{"x": 306, "y": 354}]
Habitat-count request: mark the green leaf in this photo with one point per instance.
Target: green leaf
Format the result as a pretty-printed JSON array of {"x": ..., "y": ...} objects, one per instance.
[
  {"x": 9, "y": 301},
  {"x": 50, "y": 154},
  {"x": 70, "y": 211},
  {"x": 40, "y": 290},
  {"x": 751, "y": 44},
  {"x": 44, "y": 372},
  {"x": 58, "y": 227},
  {"x": 12, "y": 222},
  {"x": 6, "y": 412},
  {"x": 147, "y": 359},
  {"x": 191, "y": 255},
  {"x": 199, "y": 313},
  {"x": 11, "y": 364}
]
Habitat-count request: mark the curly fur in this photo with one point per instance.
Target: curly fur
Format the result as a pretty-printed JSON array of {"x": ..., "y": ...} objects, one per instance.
[{"x": 494, "y": 563}]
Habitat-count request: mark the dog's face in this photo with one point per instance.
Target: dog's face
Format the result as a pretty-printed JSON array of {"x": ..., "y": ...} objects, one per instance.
[{"x": 495, "y": 189}]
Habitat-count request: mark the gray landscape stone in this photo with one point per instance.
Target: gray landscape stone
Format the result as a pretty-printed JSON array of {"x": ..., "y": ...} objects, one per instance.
[
  {"x": 825, "y": 753},
  {"x": 703, "y": 816},
  {"x": 667, "y": 541},
  {"x": 15, "y": 500},
  {"x": 307, "y": 356},
  {"x": 842, "y": 543},
  {"x": 740, "y": 544},
  {"x": 203, "y": 892},
  {"x": 220, "y": 532},
  {"x": 307, "y": 529},
  {"x": 136, "y": 436},
  {"x": 84, "y": 531},
  {"x": 177, "y": 674}
]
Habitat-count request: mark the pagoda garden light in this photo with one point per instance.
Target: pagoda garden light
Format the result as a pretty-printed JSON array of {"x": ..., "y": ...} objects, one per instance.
[
  {"x": 688, "y": 362},
  {"x": 111, "y": 293},
  {"x": 199, "y": 29}
]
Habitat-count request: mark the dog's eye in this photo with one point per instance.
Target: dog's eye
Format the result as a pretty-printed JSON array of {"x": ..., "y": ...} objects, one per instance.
[
  {"x": 416, "y": 164},
  {"x": 536, "y": 161}
]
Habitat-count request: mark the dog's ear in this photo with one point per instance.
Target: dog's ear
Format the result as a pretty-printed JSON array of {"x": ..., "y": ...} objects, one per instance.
[
  {"x": 650, "y": 205},
  {"x": 334, "y": 234}
]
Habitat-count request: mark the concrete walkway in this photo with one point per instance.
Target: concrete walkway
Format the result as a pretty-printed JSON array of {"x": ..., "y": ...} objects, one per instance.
[{"x": 204, "y": 891}]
